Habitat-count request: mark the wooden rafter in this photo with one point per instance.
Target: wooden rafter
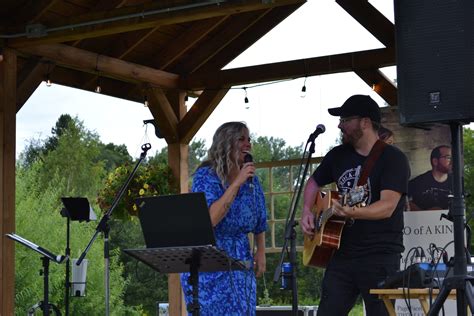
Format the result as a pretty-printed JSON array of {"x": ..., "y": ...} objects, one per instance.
[
  {"x": 253, "y": 34},
  {"x": 380, "y": 84},
  {"x": 199, "y": 112},
  {"x": 140, "y": 22},
  {"x": 75, "y": 58},
  {"x": 29, "y": 79},
  {"x": 370, "y": 18},
  {"x": 33, "y": 12},
  {"x": 234, "y": 26},
  {"x": 165, "y": 117},
  {"x": 375, "y": 58},
  {"x": 167, "y": 57}
]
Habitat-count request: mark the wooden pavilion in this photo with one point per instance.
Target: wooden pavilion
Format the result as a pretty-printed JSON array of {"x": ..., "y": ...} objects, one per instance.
[{"x": 163, "y": 50}]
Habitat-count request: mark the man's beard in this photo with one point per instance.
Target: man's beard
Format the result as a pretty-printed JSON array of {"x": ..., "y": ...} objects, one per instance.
[{"x": 353, "y": 137}]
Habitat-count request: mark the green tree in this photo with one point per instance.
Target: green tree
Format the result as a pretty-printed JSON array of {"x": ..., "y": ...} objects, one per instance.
[
  {"x": 113, "y": 155},
  {"x": 468, "y": 172},
  {"x": 66, "y": 170},
  {"x": 197, "y": 152}
]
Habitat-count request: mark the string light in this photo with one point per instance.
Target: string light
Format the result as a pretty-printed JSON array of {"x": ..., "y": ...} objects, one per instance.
[
  {"x": 98, "y": 89},
  {"x": 47, "y": 76},
  {"x": 303, "y": 89},
  {"x": 246, "y": 99},
  {"x": 145, "y": 101},
  {"x": 48, "y": 81}
]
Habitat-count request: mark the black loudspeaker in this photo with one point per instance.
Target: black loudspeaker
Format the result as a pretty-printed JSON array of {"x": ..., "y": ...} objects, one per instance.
[{"x": 435, "y": 60}]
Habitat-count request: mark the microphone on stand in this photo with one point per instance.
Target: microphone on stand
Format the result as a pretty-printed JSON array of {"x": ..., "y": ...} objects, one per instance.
[
  {"x": 248, "y": 158},
  {"x": 319, "y": 130}
]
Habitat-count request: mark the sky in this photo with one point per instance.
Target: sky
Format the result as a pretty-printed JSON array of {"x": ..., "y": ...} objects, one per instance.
[{"x": 318, "y": 28}]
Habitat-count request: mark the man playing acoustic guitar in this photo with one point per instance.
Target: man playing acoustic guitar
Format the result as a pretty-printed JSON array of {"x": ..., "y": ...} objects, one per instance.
[{"x": 371, "y": 242}]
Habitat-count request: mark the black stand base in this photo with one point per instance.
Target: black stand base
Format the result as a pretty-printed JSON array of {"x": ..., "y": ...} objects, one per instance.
[
  {"x": 464, "y": 292},
  {"x": 41, "y": 306},
  {"x": 195, "y": 262}
]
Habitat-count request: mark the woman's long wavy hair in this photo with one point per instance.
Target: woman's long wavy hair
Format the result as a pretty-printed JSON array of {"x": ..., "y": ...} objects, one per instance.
[{"x": 224, "y": 151}]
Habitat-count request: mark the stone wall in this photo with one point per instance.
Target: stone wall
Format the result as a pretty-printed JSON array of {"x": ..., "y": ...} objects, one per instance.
[{"x": 416, "y": 143}]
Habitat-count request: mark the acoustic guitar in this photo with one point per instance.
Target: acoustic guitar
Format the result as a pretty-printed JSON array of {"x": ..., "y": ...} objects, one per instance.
[{"x": 327, "y": 227}]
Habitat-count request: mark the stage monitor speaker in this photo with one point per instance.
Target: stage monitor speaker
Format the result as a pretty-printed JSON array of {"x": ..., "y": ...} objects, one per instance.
[{"x": 435, "y": 60}]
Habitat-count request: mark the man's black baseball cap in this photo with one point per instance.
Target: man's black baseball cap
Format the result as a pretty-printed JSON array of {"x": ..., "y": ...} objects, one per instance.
[{"x": 358, "y": 105}]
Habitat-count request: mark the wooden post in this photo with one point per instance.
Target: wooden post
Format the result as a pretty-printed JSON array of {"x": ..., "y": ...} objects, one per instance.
[
  {"x": 178, "y": 161},
  {"x": 8, "y": 68}
]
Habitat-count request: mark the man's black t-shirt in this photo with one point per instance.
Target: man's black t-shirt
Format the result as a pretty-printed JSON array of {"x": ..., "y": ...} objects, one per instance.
[
  {"x": 390, "y": 172},
  {"x": 427, "y": 193}
]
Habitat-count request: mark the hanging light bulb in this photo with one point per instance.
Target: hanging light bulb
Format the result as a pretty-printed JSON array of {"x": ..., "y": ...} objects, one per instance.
[
  {"x": 303, "y": 89},
  {"x": 145, "y": 101},
  {"x": 48, "y": 81},
  {"x": 98, "y": 89},
  {"x": 246, "y": 99}
]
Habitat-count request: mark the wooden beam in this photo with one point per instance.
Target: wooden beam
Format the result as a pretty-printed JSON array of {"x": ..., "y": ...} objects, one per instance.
[
  {"x": 199, "y": 112},
  {"x": 71, "y": 57},
  {"x": 111, "y": 87},
  {"x": 247, "y": 39},
  {"x": 370, "y": 18},
  {"x": 141, "y": 21},
  {"x": 121, "y": 48},
  {"x": 376, "y": 58},
  {"x": 168, "y": 56},
  {"x": 8, "y": 69},
  {"x": 380, "y": 84},
  {"x": 163, "y": 113}
]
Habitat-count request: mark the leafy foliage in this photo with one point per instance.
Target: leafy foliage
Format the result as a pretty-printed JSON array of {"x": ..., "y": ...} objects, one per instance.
[
  {"x": 468, "y": 172},
  {"x": 68, "y": 169},
  {"x": 150, "y": 179}
]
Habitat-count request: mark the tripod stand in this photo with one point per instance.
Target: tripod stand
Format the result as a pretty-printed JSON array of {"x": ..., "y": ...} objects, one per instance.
[
  {"x": 460, "y": 280},
  {"x": 47, "y": 257},
  {"x": 45, "y": 305}
]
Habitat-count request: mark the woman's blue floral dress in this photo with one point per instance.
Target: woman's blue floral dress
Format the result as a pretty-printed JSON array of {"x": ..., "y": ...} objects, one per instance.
[{"x": 230, "y": 292}]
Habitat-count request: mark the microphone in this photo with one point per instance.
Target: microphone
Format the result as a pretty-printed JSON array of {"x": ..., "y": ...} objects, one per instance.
[
  {"x": 248, "y": 158},
  {"x": 319, "y": 130}
]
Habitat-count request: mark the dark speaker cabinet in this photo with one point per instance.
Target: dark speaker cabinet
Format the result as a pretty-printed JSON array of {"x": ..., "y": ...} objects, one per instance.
[{"x": 435, "y": 60}]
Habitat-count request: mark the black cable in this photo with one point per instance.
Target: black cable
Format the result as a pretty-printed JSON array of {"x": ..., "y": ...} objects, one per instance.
[{"x": 406, "y": 285}]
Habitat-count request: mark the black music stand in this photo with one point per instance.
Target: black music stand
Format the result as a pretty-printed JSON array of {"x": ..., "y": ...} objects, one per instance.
[
  {"x": 193, "y": 259},
  {"x": 47, "y": 256},
  {"x": 179, "y": 238}
]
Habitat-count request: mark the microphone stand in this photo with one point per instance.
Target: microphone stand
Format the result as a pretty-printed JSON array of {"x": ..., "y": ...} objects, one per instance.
[
  {"x": 104, "y": 228},
  {"x": 290, "y": 232},
  {"x": 68, "y": 271}
]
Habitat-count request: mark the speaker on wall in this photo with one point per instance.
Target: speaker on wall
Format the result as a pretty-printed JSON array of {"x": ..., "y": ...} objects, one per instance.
[{"x": 435, "y": 60}]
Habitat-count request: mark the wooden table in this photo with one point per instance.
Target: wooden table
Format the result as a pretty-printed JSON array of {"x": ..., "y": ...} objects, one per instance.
[{"x": 423, "y": 295}]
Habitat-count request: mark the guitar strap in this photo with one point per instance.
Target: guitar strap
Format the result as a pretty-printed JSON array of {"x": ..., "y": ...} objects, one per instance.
[{"x": 369, "y": 163}]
